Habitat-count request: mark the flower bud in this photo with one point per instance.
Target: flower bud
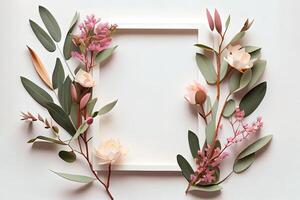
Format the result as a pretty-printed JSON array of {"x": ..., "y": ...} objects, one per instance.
[
  {"x": 210, "y": 20},
  {"x": 218, "y": 22},
  {"x": 73, "y": 92},
  {"x": 89, "y": 120},
  {"x": 196, "y": 94},
  {"x": 84, "y": 100}
]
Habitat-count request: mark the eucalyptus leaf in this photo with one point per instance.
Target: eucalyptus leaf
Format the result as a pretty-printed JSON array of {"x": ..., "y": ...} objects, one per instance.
[
  {"x": 255, "y": 54},
  {"x": 251, "y": 49},
  {"x": 74, "y": 113},
  {"x": 103, "y": 55},
  {"x": 240, "y": 165},
  {"x": 37, "y": 93},
  {"x": 257, "y": 71},
  {"x": 211, "y": 188},
  {"x": 193, "y": 143},
  {"x": 82, "y": 128},
  {"x": 68, "y": 44},
  {"x": 234, "y": 81},
  {"x": 75, "y": 178},
  {"x": 64, "y": 95},
  {"x": 42, "y": 36},
  {"x": 90, "y": 106},
  {"x": 59, "y": 115},
  {"x": 105, "y": 109},
  {"x": 185, "y": 167},
  {"x": 227, "y": 22},
  {"x": 206, "y": 68},
  {"x": 253, "y": 98},
  {"x": 50, "y": 23},
  {"x": 224, "y": 69},
  {"x": 207, "y": 105},
  {"x": 237, "y": 37},
  {"x": 205, "y": 47},
  {"x": 245, "y": 80},
  {"x": 211, "y": 126},
  {"x": 46, "y": 139},
  {"x": 229, "y": 108},
  {"x": 67, "y": 156},
  {"x": 255, "y": 146},
  {"x": 58, "y": 75}
]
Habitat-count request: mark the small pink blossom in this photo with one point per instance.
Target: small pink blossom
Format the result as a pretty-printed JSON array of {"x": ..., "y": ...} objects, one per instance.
[
  {"x": 239, "y": 115},
  {"x": 78, "y": 56}
]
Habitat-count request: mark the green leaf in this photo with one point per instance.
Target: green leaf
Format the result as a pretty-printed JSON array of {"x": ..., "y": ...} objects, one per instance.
[
  {"x": 207, "y": 105},
  {"x": 237, "y": 37},
  {"x": 82, "y": 128},
  {"x": 68, "y": 44},
  {"x": 58, "y": 75},
  {"x": 229, "y": 108},
  {"x": 105, "y": 109},
  {"x": 206, "y": 68},
  {"x": 50, "y": 23},
  {"x": 193, "y": 143},
  {"x": 227, "y": 22},
  {"x": 211, "y": 188},
  {"x": 68, "y": 156},
  {"x": 253, "y": 98},
  {"x": 251, "y": 49},
  {"x": 75, "y": 178},
  {"x": 64, "y": 95},
  {"x": 46, "y": 139},
  {"x": 42, "y": 36},
  {"x": 59, "y": 115},
  {"x": 224, "y": 69},
  {"x": 234, "y": 81},
  {"x": 211, "y": 126},
  {"x": 90, "y": 106},
  {"x": 256, "y": 54},
  {"x": 202, "y": 46},
  {"x": 185, "y": 167},
  {"x": 241, "y": 165},
  {"x": 74, "y": 113},
  {"x": 255, "y": 146},
  {"x": 257, "y": 71},
  {"x": 37, "y": 93},
  {"x": 245, "y": 80},
  {"x": 103, "y": 55}
]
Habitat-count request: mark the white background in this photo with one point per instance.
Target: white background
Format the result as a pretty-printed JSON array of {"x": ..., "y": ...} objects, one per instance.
[{"x": 24, "y": 170}]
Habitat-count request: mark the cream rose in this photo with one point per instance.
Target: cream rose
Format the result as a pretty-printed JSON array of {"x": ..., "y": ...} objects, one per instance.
[
  {"x": 109, "y": 151},
  {"x": 84, "y": 79},
  {"x": 238, "y": 58}
]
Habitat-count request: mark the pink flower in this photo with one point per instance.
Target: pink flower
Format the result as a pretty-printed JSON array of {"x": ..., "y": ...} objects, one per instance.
[
  {"x": 78, "y": 56},
  {"x": 90, "y": 22},
  {"x": 239, "y": 115},
  {"x": 196, "y": 94}
]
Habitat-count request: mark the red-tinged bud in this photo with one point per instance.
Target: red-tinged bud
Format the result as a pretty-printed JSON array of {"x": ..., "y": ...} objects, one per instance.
[
  {"x": 84, "y": 100},
  {"x": 218, "y": 22},
  {"x": 89, "y": 120},
  {"x": 210, "y": 20},
  {"x": 73, "y": 92}
]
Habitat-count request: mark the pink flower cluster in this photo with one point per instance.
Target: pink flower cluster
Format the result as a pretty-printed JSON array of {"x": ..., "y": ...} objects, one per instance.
[
  {"x": 94, "y": 37},
  {"x": 207, "y": 165},
  {"x": 241, "y": 129}
]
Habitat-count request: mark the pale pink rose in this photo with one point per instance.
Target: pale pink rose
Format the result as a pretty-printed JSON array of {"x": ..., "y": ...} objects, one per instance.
[
  {"x": 238, "y": 58},
  {"x": 109, "y": 151},
  {"x": 196, "y": 93},
  {"x": 84, "y": 79}
]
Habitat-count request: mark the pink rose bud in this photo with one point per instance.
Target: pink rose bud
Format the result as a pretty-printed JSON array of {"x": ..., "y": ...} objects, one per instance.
[
  {"x": 218, "y": 22},
  {"x": 210, "y": 20},
  {"x": 84, "y": 100},
  {"x": 73, "y": 92},
  {"x": 89, "y": 120}
]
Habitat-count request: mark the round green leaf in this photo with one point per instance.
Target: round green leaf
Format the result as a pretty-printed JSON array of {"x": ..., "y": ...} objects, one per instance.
[
  {"x": 257, "y": 71},
  {"x": 42, "y": 36},
  {"x": 211, "y": 188},
  {"x": 255, "y": 146},
  {"x": 193, "y": 143},
  {"x": 185, "y": 167},
  {"x": 229, "y": 108},
  {"x": 58, "y": 75},
  {"x": 206, "y": 68},
  {"x": 234, "y": 81},
  {"x": 75, "y": 178},
  {"x": 245, "y": 80},
  {"x": 68, "y": 156},
  {"x": 253, "y": 98},
  {"x": 241, "y": 165},
  {"x": 50, "y": 23}
]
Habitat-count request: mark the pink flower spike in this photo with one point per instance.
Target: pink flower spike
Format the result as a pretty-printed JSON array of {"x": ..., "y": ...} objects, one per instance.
[
  {"x": 85, "y": 99},
  {"x": 210, "y": 20},
  {"x": 73, "y": 92},
  {"x": 218, "y": 22}
]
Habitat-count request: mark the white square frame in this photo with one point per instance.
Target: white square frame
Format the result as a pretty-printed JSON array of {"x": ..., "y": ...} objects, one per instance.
[{"x": 189, "y": 25}]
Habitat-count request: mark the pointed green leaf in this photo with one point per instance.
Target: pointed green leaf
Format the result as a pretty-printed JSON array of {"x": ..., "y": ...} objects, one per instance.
[
  {"x": 74, "y": 113},
  {"x": 42, "y": 36},
  {"x": 237, "y": 37},
  {"x": 241, "y": 165},
  {"x": 251, "y": 49},
  {"x": 58, "y": 75},
  {"x": 90, "y": 106},
  {"x": 229, "y": 108},
  {"x": 207, "y": 105},
  {"x": 105, "y": 109},
  {"x": 67, "y": 156},
  {"x": 211, "y": 188},
  {"x": 211, "y": 126},
  {"x": 61, "y": 118},
  {"x": 82, "y": 128},
  {"x": 234, "y": 81},
  {"x": 227, "y": 22},
  {"x": 206, "y": 68},
  {"x": 256, "y": 54},
  {"x": 193, "y": 143},
  {"x": 37, "y": 93},
  {"x": 205, "y": 47},
  {"x": 103, "y": 55},
  {"x": 257, "y": 71},
  {"x": 68, "y": 44},
  {"x": 46, "y": 139},
  {"x": 255, "y": 146},
  {"x": 185, "y": 167},
  {"x": 253, "y": 98},
  {"x": 245, "y": 80},
  {"x": 64, "y": 95},
  {"x": 75, "y": 178},
  {"x": 50, "y": 23},
  {"x": 224, "y": 69}
]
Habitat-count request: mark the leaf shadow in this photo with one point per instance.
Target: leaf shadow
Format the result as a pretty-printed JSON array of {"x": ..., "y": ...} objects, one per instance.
[
  {"x": 43, "y": 146},
  {"x": 80, "y": 189},
  {"x": 205, "y": 195}
]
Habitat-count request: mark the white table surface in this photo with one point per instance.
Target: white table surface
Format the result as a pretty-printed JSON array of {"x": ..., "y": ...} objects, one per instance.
[{"x": 25, "y": 172}]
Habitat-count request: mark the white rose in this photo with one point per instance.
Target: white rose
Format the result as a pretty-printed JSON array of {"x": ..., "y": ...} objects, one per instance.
[{"x": 84, "y": 79}]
